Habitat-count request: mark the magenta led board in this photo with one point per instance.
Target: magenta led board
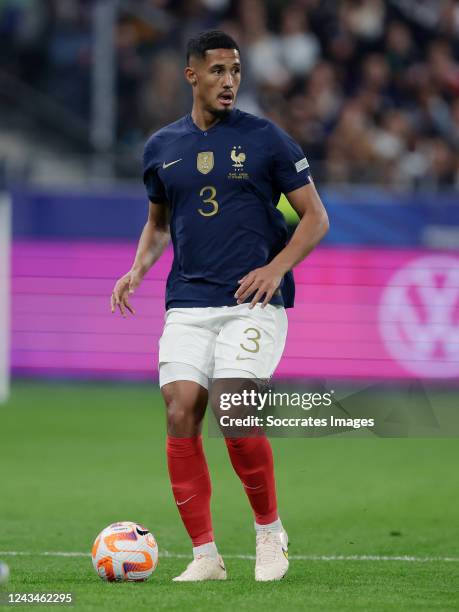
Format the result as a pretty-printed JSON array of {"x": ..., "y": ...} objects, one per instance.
[{"x": 360, "y": 313}]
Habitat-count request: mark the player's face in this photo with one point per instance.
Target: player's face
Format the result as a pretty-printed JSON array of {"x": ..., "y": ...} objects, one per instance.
[{"x": 217, "y": 79}]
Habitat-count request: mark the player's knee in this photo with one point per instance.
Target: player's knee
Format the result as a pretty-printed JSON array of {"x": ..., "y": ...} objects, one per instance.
[
  {"x": 180, "y": 419},
  {"x": 185, "y": 405},
  {"x": 177, "y": 414}
]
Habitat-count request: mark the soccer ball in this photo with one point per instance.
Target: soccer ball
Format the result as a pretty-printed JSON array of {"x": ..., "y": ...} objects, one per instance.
[{"x": 125, "y": 551}]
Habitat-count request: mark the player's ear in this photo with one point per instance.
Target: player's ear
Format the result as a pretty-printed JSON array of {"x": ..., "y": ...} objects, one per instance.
[{"x": 190, "y": 75}]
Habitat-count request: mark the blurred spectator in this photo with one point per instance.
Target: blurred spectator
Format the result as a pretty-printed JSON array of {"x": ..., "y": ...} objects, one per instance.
[
  {"x": 262, "y": 47},
  {"x": 400, "y": 48},
  {"x": 160, "y": 101},
  {"x": 351, "y": 150},
  {"x": 426, "y": 13},
  {"x": 364, "y": 18},
  {"x": 449, "y": 18},
  {"x": 69, "y": 55},
  {"x": 324, "y": 93},
  {"x": 299, "y": 48},
  {"x": 442, "y": 165}
]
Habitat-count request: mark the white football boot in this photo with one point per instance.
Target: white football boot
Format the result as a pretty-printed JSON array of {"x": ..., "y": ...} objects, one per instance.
[
  {"x": 202, "y": 568},
  {"x": 272, "y": 555}
]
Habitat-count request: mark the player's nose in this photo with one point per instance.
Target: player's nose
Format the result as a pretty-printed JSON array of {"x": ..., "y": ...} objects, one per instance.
[{"x": 228, "y": 79}]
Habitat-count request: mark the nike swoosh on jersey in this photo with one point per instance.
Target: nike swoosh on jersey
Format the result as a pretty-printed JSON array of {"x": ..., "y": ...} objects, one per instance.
[
  {"x": 171, "y": 163},
  {"x": 239, "y": 358},
  {"x": 186, "y": 500}
]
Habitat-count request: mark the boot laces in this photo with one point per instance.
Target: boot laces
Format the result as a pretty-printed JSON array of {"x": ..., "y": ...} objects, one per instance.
[{"x": 267, "y": 547}]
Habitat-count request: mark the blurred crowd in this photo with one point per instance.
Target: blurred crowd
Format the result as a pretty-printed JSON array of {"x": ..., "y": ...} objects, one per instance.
[{"x": 370, "y": 88}]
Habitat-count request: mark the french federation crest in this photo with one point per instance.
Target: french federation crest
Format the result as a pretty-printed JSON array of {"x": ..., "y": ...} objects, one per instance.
[
  {"x": 205, "y": 162},
  {"x": 238, "y": 157}
]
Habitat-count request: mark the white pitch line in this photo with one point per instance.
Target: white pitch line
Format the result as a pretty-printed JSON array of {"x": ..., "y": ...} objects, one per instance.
[{"x": 166, "y": 553}]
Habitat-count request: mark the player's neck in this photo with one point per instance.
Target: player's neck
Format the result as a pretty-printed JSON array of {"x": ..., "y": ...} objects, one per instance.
[{"x": 202, "y": 118}]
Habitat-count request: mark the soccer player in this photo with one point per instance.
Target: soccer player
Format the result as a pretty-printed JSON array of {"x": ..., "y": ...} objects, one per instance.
[{"x": 213, "y": 180}]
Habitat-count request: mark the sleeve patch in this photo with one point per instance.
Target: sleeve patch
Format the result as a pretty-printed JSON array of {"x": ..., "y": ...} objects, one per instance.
[{"x": 302, "y": 164}]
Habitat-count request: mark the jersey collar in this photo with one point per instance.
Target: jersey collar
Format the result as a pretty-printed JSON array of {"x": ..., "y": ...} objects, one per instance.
[{"x": 226, "y": 121}]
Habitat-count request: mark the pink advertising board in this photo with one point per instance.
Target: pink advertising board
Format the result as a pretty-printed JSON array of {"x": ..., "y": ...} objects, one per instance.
[{"x": 360, "y": 313}]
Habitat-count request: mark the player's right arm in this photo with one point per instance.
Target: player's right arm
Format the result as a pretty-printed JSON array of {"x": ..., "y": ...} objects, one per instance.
[{"x": 153, "y": 240}]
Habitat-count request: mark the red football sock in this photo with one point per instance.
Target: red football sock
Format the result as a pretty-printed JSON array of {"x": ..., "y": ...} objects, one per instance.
[
  {"x": 252, "y": 460},
  {"x": 191, "y": 486}
]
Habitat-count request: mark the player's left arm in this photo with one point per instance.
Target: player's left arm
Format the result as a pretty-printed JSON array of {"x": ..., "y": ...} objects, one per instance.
[{"x": 261, "y": 283}]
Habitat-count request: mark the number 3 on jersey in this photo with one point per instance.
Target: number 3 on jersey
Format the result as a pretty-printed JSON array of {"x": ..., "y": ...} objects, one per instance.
[{"x": 210, "y": 192}]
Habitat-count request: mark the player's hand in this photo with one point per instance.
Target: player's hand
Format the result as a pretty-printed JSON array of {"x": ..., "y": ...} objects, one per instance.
[
  {"x": 261, "y": 283},
  {"x": 124, "y": 286}
]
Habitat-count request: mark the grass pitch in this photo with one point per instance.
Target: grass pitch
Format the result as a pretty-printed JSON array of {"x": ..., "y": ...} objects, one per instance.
[{"x": 74, "y": 458}]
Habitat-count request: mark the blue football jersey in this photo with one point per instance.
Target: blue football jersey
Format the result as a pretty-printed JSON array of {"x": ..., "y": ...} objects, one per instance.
[{"x": 222, "y": 186}]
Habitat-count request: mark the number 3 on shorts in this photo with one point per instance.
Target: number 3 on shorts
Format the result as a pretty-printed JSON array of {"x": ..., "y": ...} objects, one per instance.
[{"x": 253, "y": 336}]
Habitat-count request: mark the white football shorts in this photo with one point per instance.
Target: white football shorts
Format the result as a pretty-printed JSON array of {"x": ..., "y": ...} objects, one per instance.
[{"x": 221, "y": 342}]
